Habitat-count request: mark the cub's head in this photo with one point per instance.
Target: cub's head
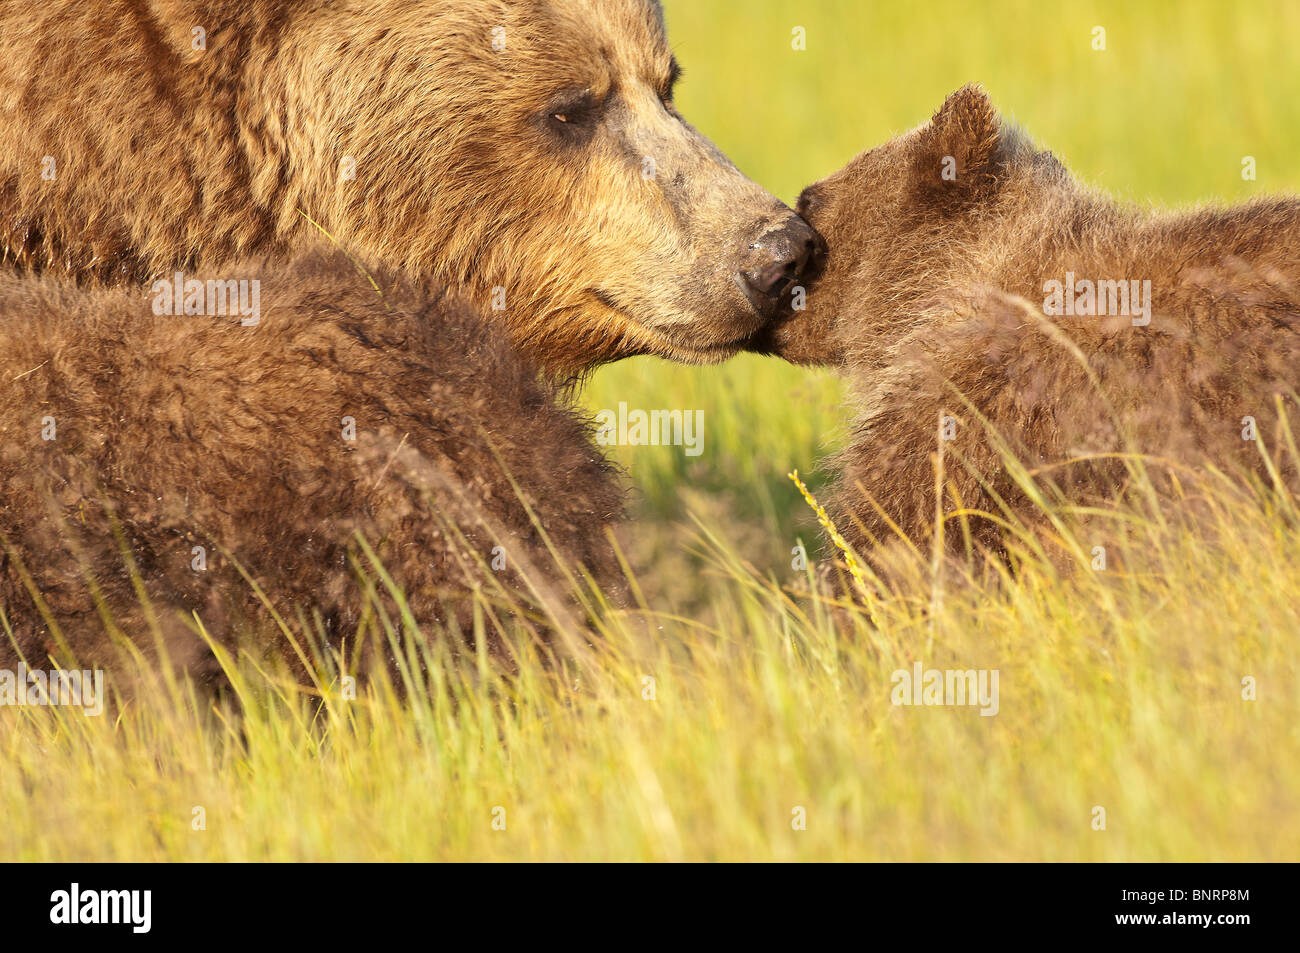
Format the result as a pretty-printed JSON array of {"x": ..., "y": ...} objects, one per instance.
[
  {"x": 530, "y": 153},
  {"x": 896, "y": 215}
]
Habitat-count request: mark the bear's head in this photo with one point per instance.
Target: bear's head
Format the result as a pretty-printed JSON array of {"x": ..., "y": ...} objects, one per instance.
[
  {"x": 528, "y": 152},
  {"x": 902, "y": 218}
]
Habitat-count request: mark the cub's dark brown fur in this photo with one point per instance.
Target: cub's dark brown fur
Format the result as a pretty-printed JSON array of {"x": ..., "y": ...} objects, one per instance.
[
  {"x": 159, "y": 434},
  {"x": 943, "y": 245}
]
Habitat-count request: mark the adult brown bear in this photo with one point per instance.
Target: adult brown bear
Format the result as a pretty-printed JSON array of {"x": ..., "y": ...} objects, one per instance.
[
  {"x": 525, "y": 153},
  {"x": 973, "y": 285},
  {"x": 522, "y": 155}
]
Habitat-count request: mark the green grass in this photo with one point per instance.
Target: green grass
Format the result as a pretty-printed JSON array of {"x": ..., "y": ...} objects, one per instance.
[{"x": 1119, "y": 689}]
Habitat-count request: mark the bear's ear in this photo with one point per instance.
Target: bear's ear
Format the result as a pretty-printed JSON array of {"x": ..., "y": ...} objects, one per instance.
[{"x": 956, "y": 156}]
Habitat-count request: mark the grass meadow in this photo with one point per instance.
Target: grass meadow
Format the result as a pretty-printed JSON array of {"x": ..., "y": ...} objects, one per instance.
[{"x": 727, "y": 717}]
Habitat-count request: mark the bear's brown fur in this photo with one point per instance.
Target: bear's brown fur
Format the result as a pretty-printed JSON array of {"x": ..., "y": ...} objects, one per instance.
[
  {"x": 160, "y": 434},
  {"x": 524, "y": 153},
  {"x": 942, "y": 245}
]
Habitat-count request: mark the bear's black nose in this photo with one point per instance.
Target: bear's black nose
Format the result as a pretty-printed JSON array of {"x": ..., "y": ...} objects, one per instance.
[{"x": 779, "y": 259}]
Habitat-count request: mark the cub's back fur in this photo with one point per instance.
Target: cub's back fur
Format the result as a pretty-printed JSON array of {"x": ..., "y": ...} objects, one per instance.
[{"x": 167, "y": 433}]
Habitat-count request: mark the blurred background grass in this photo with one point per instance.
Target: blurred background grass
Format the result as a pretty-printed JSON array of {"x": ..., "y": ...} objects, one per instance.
[{"x": 1165, "y": 114}]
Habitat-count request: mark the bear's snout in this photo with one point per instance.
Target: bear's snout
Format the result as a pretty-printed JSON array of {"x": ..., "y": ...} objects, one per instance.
[{"x": 778, "y": 260}]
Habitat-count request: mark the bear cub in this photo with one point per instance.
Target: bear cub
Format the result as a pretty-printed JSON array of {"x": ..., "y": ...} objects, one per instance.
[{"x": 983, "y": 302}]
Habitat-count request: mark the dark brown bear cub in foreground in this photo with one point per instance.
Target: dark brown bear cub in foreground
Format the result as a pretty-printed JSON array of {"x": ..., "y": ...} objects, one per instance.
[
  {"x": 274, "y": 437},
  {"x": 970, "y": 278}
]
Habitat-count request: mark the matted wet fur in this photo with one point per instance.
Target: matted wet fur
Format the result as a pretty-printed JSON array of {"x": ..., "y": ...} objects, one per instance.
[
  {"x": 123, "y": 429},
  {"x": 933, "y": 303}
]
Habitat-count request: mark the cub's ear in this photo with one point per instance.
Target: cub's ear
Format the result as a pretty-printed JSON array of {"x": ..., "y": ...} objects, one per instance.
[{"x": 956, "y": 156}]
